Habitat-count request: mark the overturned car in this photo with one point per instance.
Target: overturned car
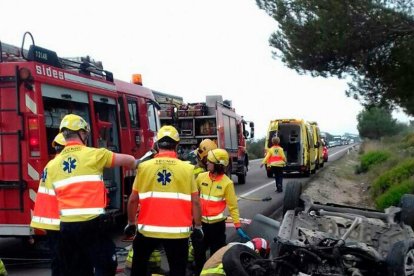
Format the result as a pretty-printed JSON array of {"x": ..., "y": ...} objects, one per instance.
[{"x": 330, "y": 239}]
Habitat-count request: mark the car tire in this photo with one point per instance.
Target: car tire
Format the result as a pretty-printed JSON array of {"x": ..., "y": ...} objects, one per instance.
[
  {"x": 291, "y": 198},
  {"x": 238, "y": 259},
  {"x": 407, "y": 209},
  {"x": 400, "y": 258}
]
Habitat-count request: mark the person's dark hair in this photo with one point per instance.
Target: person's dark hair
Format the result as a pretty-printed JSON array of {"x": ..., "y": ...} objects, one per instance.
[
  {"x": 167, "y": 143},
  {"x": 68, "y": 134},
  {"x": 59, "y": 148},
  {"x": 218, "y": 168}
]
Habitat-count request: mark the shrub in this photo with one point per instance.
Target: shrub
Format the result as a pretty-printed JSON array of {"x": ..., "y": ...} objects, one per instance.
[
  {"x": 372, "y": 158},
  {"x": 393, "y": 176},
  {"x": 408, "y": 141},
  {"x": 393, "y": 195}
]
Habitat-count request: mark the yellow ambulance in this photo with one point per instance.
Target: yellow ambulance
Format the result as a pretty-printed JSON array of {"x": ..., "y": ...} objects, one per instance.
[
  {"x": 296, "y": 139},
  {"x": 316, "y": 134}
]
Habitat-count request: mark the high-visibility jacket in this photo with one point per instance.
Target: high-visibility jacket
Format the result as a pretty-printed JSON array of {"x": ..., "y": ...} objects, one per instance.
[
  {"x": 165, "y": 185},
  {"x": 46, "y": 212},
  {"x": 214, "y": 265},
  {"x": 77, "y": 178},
  {"x": 3, "y": 271},
  {"x": 275, "y": 157},
  {"x": 215, "y": 194},
  {"x": 198, "y": 170}
]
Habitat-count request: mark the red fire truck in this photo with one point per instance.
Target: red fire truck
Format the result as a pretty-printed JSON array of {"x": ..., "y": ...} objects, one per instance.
[
  {"x": 214, "y": 119},
  {"x": 38, "y": 88}
]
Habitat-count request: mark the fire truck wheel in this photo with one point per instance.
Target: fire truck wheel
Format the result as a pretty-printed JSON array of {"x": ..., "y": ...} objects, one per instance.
[{"x": 241, "y": 178}]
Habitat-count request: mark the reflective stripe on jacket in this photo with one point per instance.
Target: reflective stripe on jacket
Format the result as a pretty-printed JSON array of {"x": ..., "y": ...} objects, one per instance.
[
  {"x": 165, "y": 185},
  {"x": 3, "y": 271},
  {"x": 81, "y": 195},
  {"x": 275, "y": 156},
  {"x": 78, "y": 182},
  {"x": 215, "y": 195},
  {"x": 46, "y": 212},
  {"x": 214, "y": 265}
]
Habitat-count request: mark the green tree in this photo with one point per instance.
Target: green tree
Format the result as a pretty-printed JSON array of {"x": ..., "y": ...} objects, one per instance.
[
  {"x": 255, "y": 148},
  {"x": 372, "y": 41},
  {"x": 376, "y": 122}
]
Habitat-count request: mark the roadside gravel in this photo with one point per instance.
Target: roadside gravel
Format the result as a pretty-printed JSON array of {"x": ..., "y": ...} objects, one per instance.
[{"x": 337, "y": 183}]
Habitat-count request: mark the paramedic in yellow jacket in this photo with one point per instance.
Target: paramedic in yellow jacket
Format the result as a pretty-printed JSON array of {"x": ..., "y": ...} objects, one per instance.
[
  {"x": 216, "y": 193},
  {"x": 77, "y": 178},
  {"x": 201, "y": 152},
  {"x": 275, "y": 159},
  {"x": 46, "y": 213}
]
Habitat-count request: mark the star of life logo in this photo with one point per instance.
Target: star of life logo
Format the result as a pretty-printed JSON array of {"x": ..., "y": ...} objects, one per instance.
[
  {"x": 164, "y": 177},
  {"x": 69, "y": 164}
]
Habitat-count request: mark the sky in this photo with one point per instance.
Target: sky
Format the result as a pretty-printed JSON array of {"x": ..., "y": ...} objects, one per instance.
[{"x": 188, "y": 48}]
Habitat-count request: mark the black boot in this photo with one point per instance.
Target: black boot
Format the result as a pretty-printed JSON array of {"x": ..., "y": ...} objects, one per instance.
[{"x": 279, "y": 188}]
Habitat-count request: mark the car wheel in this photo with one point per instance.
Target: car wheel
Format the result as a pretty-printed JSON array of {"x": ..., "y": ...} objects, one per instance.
[
  {"x": 400, "y": 259},
  {"x": 239, "y": 260},
  {"x": 407, "y": 209},
  {"x": 291, "y": 199}
]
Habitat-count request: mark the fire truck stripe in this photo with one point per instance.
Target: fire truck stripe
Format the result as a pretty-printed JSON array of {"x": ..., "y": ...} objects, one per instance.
[
  {"x": 95, "y": 83},
  {"x": 30, "y": 104},
  {"x": 32, "y": 172},
  {"x": 32, "y": 195}
]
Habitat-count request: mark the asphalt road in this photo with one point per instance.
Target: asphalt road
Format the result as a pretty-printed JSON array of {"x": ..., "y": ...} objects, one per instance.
[{"x": 257, "y": 196}]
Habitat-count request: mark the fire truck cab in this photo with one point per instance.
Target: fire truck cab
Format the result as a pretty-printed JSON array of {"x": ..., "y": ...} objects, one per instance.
[
  {"x": 38, "y": 88},
  {"x": 214, "y": 119}
]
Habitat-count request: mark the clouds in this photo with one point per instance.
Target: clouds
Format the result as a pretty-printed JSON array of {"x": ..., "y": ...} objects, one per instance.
[{"x": 190, "y": 48}]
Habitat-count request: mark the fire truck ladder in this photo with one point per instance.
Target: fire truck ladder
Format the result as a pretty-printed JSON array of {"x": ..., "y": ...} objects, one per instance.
[{"x": 13, "y": 82}]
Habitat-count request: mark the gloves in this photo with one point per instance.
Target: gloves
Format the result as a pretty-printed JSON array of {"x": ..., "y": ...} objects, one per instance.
[
  {"x": 242, "y": 234},
  {"x": 197, "y": 234},
  {"x": 130, "y": 230}
]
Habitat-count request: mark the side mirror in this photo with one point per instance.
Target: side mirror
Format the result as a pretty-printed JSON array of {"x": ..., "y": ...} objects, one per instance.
[{"x": 251, "y": 125}]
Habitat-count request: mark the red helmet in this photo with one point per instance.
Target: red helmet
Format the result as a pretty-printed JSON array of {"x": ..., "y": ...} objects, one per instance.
[{"x": 261, "y": 246}]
